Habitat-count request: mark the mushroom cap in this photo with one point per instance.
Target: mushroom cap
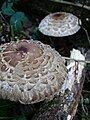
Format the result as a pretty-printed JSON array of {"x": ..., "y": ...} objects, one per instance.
[
  {"x": 30, "y": 71},
  {"x": 59, "y": 24}
]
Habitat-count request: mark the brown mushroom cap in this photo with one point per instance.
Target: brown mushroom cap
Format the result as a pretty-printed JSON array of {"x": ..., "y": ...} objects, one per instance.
[
  {"x": 30, "y": 71},
  {"x": 59, "y": 24}
]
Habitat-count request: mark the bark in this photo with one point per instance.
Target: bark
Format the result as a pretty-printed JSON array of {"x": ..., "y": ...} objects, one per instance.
[{"x": 64, "y": 105}]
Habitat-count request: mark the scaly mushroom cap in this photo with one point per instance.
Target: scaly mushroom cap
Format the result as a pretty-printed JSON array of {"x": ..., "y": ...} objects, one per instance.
[
  {"x": 30, "y": 71},
  {"x": 59, "y": 24}
]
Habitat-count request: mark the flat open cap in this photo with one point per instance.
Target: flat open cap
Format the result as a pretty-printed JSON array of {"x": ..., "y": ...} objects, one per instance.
[
  {"x": 59, "y": 24},
  {"x": 30, "y": 71}
]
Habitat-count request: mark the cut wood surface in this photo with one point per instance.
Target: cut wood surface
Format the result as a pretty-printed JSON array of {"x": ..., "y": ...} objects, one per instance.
[{"x": 64, "y": 105}]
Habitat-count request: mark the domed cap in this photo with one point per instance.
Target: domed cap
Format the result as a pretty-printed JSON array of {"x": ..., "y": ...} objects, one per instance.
[
  {"x": 30, "y": 71},
  {"x": 59, "y": 24}
]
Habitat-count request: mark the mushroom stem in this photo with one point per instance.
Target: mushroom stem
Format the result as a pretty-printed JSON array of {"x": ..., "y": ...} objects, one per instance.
[
  {"x": 59, "y": 25},
  {"x": 60, "y": 45}
]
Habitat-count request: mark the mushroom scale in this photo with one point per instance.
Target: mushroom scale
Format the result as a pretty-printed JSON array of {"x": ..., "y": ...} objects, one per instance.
[
  {"x": 60, "y": 24},
  {"x": 30, "y": 71}
]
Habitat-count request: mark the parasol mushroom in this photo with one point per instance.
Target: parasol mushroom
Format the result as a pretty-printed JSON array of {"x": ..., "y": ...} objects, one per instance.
[
  {"x": 30, "y": 71},
  {"x": 59, "y": 24}
]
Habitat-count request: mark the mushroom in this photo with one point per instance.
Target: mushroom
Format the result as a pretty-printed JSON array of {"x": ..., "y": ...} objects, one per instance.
[
  {"x": 59, "y": 24},
  {"x": 30, "y": 71}
]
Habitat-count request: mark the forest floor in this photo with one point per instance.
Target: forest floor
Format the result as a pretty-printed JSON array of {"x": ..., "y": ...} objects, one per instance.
[{"x": 16, "y": 111}]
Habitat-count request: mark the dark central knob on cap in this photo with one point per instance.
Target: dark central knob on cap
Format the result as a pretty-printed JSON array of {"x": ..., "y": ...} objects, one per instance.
[
  {"x": 22, "y": 49},
  {"x": 58, "y": 16}
]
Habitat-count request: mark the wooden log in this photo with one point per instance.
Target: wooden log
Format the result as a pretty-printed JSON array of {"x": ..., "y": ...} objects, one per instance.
[{"x": 64, "y": 104}]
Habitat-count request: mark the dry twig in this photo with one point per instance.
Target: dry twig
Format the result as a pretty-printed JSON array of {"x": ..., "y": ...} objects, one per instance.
[
  {"x": 67, "y": 58},
  {"x": 73, "y": 4}
]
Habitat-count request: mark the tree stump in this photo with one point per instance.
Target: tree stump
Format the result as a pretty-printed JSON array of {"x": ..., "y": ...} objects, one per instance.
[{"x": 64, "y": 105}]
